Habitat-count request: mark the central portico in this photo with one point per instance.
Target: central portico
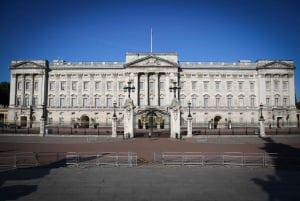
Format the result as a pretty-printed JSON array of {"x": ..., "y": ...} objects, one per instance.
[{"x": 152, "y": 73}]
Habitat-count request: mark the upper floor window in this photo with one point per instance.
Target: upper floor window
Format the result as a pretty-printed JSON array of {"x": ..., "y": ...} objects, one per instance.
[
  {"x": 276, "y": 85},
  {"x": 97, "y": 85},
  {"x": 19, "y": 85},
  {"x": 252, "y": 86},
  {"x": 161, "y": 85},
  {"x": 121, "y": 85},
  {"x": 27, "y": 85},
  {"x": 51, "y": 85},
  {"x": 285, "y": 85},
  {"x": 194, "y": 85},
  {"x": 63, "y": 85},
  {"x": 141, "y": 85},
  {"x": 205, "y": 85},
  {"x": 268, "y": 85},
  {"x": 241, "y": 86},
  {"x": 217, "y": 85},
  {"x": 109, "y": 85},
  {"x": 85, "y": 85},
  {"x": 229, "y": 85},
  {"x": 74, "y": 85},
  {"x": 36, "y": 85}
]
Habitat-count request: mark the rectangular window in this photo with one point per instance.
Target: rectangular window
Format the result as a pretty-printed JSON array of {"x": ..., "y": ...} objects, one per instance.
[
  {"x": 162, "y": 101},
  {"x": 205, "y": 85},
  {"x": 85, "y": 102},
  {"x": 74, "y": 102},
  {"x": 142, "y": 104},
  {"x": 194, "y": 102},
  {"x": 276, "y": 85},
  {"x": 62, "y": 102},
  {"x": 161, "y": 85},
  {"x": 18, "y": 103},
  {"x": 252, "y": 102},
  {"x": 51, "y": 85},
  {"x": 217, "y": 83},
  {"x": 252, "y": 86},
  {"x": 109, "y": 85},
  {"x": 182, "y": 85},
  {"x": 85, "y": 85},
  {"x": 36, "y": 86},
  {"x": 194, "y": 85},
  {"x": 205, "y": 103},
  {"x": 241, "y": 86},
  {"x": 26, "y": 101},
  {"x": 108, "y": 102},
  {"x": 276, "y": 102},
  {"x": 229, "y": 100},
  {"x": 268, "y": 102},
  {"x": 97, "y": 85},
  {"x": 35, "y": 100},
  {"x": 217, "y": 102},
  {"x": 19, "y": 85},
  {"x": 121, "y": 86},
  {"x": 27, "y": 85},
  {"x": 51, "y": 102},
  {"x": 182, "y": 102},
  {"x": 285, "y": 85},
  {"x": 229, "y": 85},
  {"x": 151, "y": 85},
  {"x": 74, "y": 85},
  {"x": 268, "y": 85},
  {"x": 97, "y": 102},
  {"x": 141, "y": 85},
  {"x": 241, "y": 102},
  {"x": 63, "y": 85},
  {"x": 284, "y": 102},
  {"x": 121, "y": 101}
]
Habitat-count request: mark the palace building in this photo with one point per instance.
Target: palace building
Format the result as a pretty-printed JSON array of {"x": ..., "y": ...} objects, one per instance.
[{"x": 219, "y": 93}]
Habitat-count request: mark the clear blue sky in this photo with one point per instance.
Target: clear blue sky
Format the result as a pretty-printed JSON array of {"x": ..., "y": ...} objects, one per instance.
[{"x": 104, "y": 30}]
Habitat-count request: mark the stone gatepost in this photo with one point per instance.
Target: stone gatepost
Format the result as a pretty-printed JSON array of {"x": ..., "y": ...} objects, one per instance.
[
  {"x": 189, "y": 127},
  {"x": 262, "y": 127},
  {"x": 114, "y": 127},
  {"x": 175, "y": 119},
  {"x": 42, "y": 127},
  {"x": 128, "y": 118}
]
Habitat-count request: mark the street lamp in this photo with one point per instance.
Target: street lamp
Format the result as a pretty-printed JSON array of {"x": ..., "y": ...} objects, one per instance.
[
  {"x": 189, "y": 105},
  {"x": 114, "y": 103},
  {"x": 129, "y": 88},
  {"x": 174, "y": 89},
  {"x": 261, "y": 118}
]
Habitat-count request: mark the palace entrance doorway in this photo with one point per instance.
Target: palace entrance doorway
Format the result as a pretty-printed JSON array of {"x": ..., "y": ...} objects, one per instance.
[{"x": 152, "y": 122}]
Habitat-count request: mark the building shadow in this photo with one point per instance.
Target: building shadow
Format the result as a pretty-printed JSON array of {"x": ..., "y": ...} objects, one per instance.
[
  {"x": 14, "y": 192},
  {"x": 284, "y": 183}
]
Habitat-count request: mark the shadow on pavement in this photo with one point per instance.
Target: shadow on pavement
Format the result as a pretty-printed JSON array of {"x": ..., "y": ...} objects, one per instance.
[
  {"x": 284, "y": 184},
  {"x": 14, "y": 192}
]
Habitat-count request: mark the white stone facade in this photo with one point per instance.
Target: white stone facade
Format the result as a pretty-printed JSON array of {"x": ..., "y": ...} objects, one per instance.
[{"x": 221, "y": 93}]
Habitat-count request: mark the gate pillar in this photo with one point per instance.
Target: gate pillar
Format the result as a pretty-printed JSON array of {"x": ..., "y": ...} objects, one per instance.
[
  {"x": 128, "y": 118},
  {"x": 175, "y": 119}
]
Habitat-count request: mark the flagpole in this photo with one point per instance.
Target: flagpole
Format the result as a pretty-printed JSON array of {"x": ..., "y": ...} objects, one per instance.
[{"x": 151, "y": 39}]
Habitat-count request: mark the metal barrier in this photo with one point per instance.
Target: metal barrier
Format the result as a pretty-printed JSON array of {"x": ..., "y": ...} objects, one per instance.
[
  {"x": 78, "y": 159},
  {"x": 227, "y": 159}
]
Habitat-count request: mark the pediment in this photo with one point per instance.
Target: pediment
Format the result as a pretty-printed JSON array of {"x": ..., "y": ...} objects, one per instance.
[
  {"x": 151, "y": 61},
  {"x": 28, "y": 64},
  {"x": 278, "y": 65}
]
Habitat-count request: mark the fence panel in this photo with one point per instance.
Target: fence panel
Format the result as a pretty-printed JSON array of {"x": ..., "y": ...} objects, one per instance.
[
  {"x": 127, "y": 159},
  {"x": 172, "y": 158},
  {"x": 213, "y": 158},
  {"x": 87, "y": 159},
  {"x": 107, "y": 158},
  {"x": 193, "y": 158},
  {"x": 26, "y": 159},
  {"x": 254, "y": 159},
  {"x": 233, "y": 158},
  {"x": 8, "y": 160}
]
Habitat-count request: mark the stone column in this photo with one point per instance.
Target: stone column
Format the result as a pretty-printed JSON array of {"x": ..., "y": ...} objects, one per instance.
[
  {"x": 175, "y": 119},
  {"x": 13, "y": 89},
  {"x": 128, "y": 118},
  {"x": 156, "y": 89},
  {"x": 189, "y": 127},
  {"x": 114, "y": 127},
  {"x": 262, "y": 127},
  {"x": 23, "y": 90},
  {"x": 146, "y": 89}
]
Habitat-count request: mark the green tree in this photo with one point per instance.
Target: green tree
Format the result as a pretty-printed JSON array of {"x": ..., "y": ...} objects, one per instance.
[{"x": 4, "y": 93}]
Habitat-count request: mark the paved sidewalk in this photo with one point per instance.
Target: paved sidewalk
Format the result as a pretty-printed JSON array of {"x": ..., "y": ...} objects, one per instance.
[{"x": 147, "y": 184}]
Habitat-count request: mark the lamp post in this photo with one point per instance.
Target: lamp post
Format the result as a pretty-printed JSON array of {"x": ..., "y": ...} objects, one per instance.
[
  {"x": 261, "y": 122},
  {"x": 261, "y": 118},
  {"x": 189, "y": 106},
  {"x": 174, "y": 89},
  {"x": 129, "y": 88},
  {"x": 114, "y": 121},
  {"x": 114, "y": 103},
  {"x": 189, "y": 121}
]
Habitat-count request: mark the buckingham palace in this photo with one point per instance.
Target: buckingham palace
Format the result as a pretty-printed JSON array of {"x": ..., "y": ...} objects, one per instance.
[{"x": 214, "y": 93}]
